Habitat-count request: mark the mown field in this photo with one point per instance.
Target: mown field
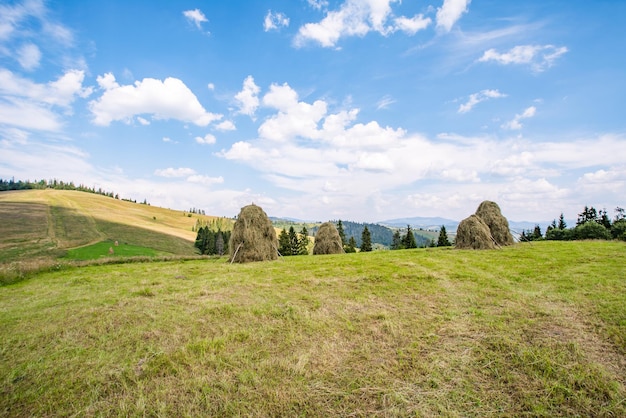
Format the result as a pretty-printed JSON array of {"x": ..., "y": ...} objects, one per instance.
[
  {"x": 40, "y": 225},
  {"x": 530, "y": 330}
]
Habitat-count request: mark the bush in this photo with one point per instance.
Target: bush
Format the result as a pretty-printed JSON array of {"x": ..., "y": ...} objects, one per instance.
[
  {"x": 618, "y": 229},
  {"x": 557, "y": 234},
  {"x": 591, "y": 230}
]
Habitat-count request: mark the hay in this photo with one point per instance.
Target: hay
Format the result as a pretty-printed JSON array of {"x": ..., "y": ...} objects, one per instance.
[
  {"x": 253, "y": 237},
  {"x": 327, "y": 240},
  {"x": 490, "y": 213},
  {"x": 473, "y": 233}
]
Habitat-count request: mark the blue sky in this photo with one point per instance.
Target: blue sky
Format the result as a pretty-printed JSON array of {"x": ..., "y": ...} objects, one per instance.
[{"x": 360, "y": 110}]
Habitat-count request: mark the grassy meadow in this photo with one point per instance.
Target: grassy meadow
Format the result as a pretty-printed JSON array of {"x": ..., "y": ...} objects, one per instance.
[{"x": 530, "y": 330}]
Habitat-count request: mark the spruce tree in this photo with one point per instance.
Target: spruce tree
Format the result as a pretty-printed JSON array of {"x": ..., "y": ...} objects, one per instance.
[
  {"x": 351, "y": 246},
  {"x": 284, "y": 247},
  {"x": 219, "y": 244},
  {"x": 443, "y": 238},
  {"x": 303, "y": 243},
  {"x": 409, "y": 238},
  {"x": 342, "y": 234},
  {"x": 294, "y": 242},
  {"x": 562, "y": 224},
  {"x": 366, "y": 240},
  {"x": 396, "y": 243}
]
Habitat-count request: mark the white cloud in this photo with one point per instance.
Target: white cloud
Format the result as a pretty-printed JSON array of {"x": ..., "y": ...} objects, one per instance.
[
  {"x": 211, "y": 86},
  {"x": 226, "y": 125},
  {"x": 143, "y": 121},
  {"x": 385, "y": 102},
  {"x": 412, "y": 25},
  {"x": 196, "y": 17},
  {"x": 30, "y": 105},
  {"x": 208, "y": 139},
  {"x": 275, "y": 21},
  {"x": 516, "y": 123},
  {"x": 174, "y": 172},
  {"x": 29, "y": 56},
  {"x": 318, "y": 4},
  {"x": 358, "y": 18},
  {"x": 539, "y": 57},
  {"x": 61, "y": 92},
  {"x": 331, "y": 159},
  {"x": 450, "y": 12},
  {"x": 207, "y": 180},
  {"x": 247, "y": 98},
  {"x": 167, "y": 99},
  {"x": 476, "y": 98}
]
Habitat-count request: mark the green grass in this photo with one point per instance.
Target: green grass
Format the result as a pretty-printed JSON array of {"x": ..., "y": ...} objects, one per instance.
[
  {"x": 109, "y": 249},
  {"x": 530, "y": 330}
]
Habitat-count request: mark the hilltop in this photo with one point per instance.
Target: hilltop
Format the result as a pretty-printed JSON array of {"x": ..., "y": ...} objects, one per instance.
[{"x": 46, "y": 223}]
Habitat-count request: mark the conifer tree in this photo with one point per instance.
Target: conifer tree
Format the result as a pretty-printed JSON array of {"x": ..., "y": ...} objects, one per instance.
[
  {"x": 409, "y": 239},
  {"x": 303, "y": 243},
  {"x": 396, "y": 241},
  {"x": 443, "y": 238},
  {"x": 366, "y": 240},
  {"x": 342, "y": 234},
  {"x": 351, "y": 246},
  {"x": 294, "y": 242},
  {"x": 284, "y": 247}
]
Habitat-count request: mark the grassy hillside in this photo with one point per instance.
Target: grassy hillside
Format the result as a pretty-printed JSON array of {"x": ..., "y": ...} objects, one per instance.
[
  {"x": 45, "y": 223},
  {"x": 530, "y": 330}
]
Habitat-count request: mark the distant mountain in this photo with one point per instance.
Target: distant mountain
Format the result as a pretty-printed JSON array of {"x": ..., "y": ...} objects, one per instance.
[{"x": 421, "y": 222}]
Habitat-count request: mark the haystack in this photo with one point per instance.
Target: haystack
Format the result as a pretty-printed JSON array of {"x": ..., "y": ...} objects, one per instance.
[
  {"x": 490, "y": 213},
  {"x": 253, "y": 237},
  {"x": 473, "y": 233},
  {"x": 327, "y": 240}
]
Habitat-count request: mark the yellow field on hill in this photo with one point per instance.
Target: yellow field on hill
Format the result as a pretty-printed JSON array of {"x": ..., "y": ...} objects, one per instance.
[{"x": 37, "y": 220}]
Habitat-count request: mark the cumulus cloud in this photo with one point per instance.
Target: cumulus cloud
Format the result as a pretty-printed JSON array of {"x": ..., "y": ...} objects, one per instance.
[
  {"x": 539, "y": 57},
  {"x": 190, "y": 175},
  {"x": 450, "y": 12},
  {"x": 207, "y": 139},
  {"x": 167, "y": 99},
  {"x": 174, "y": 172},
  {"x": 207, "y": 180},
  {"x": 247, "y": 99},
  {"x": 275, "y": 21},
  {"x": 196, "y": 17},
  {"x": 412, "y": 25},
  {"x": 226, "y": 125},
  {"x": 515, "y": 123},
  {"x": 30, "y": 105},
  {"x": 358, "y": 18},
  {"x": 476, "y": 98},
  {"x": 318, "y": 4}
]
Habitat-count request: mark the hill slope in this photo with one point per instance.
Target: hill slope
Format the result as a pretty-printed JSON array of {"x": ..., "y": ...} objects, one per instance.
[{"x": 43, "y": 223}]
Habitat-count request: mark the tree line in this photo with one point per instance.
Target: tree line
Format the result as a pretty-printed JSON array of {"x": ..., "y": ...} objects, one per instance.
[
  {"x": 7, "y": 185},
  {"x": 212, "y": 242},
  {"x": 590, "y": 224}
]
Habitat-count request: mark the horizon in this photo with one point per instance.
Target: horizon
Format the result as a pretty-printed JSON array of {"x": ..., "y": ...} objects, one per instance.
[{"x": 355, "y": 109}]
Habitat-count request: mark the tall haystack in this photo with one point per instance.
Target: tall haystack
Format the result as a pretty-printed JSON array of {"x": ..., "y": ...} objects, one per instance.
[
  {"x": 490, "y": 213},
  {"x": 327, "y": 240},
  {"x": 253, "y": 237},
  {"x": 473, "y": 233}
]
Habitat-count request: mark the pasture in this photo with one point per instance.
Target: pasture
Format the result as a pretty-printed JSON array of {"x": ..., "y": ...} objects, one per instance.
[{"x": 530, "y": 330}]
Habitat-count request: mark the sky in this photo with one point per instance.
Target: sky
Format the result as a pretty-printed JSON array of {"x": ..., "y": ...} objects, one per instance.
[{"x": 362, "y": 110}]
